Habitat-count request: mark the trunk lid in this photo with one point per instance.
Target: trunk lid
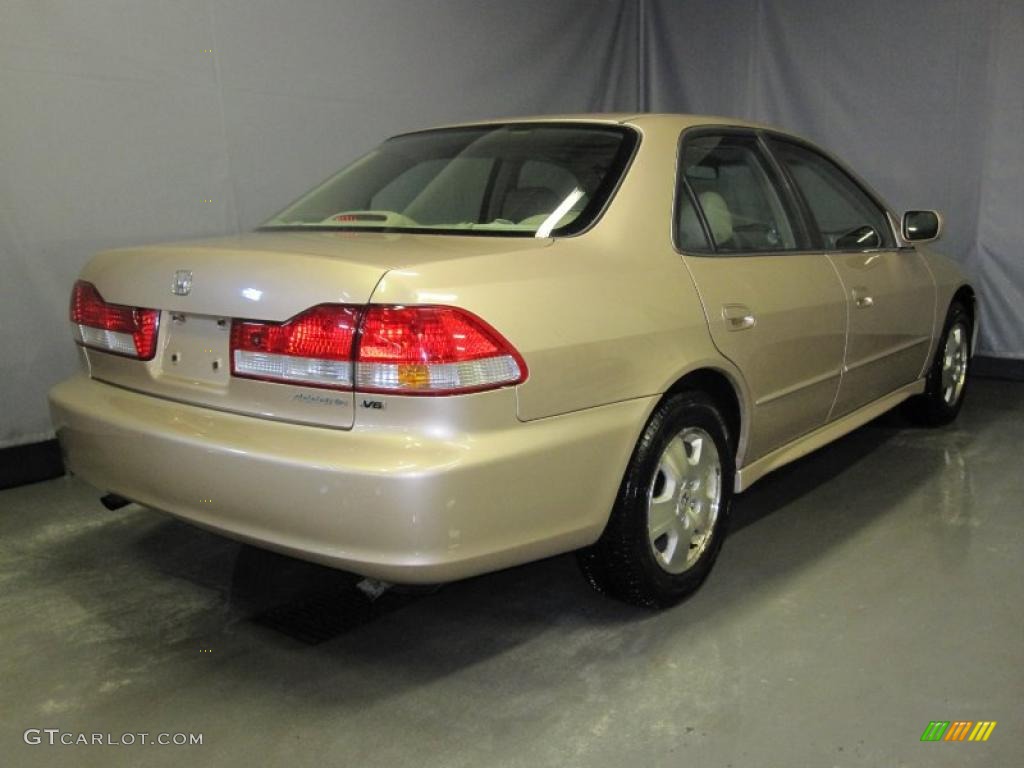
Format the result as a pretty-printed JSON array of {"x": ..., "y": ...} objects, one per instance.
[{"x": 259, "y": 276}]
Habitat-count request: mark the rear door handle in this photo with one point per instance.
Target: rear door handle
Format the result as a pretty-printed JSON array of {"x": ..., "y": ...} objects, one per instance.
[
  {"x": 738, "y": 317},
  {"x": 862, "y": 299}
]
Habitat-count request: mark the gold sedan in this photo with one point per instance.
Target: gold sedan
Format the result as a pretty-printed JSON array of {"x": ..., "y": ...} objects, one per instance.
[{"x": 486, "y": 344}]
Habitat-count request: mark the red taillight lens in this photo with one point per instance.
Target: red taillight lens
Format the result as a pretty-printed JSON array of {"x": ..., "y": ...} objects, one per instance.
[
  {"x": 405, "y": 350},
  {"x": 313, "y": 348},
  {"x": 129, "y": 331},
  {"x": 432, "y": 350}
]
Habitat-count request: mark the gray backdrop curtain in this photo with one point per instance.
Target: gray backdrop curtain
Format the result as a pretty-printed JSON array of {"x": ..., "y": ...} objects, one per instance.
[
  {"x": 925, "y": 98},
  {"x": 119, "y": 119}
]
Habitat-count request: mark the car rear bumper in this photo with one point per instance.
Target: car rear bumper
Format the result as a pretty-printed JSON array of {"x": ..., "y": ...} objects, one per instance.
[{"x": 413, "y": 505}]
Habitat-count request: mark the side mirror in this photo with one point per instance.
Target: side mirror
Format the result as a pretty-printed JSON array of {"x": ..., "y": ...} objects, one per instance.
[
  {"x": 859, "y": 239},
  {"x": 922, "y": 226}
]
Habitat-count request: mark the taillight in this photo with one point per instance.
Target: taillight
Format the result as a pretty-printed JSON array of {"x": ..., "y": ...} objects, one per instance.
[
  {"x": 432, "y": 351},
  {"x": 313, "y": 348},
  {"x": 129, "y": 331},
  {"x": 424, "y": 350}
]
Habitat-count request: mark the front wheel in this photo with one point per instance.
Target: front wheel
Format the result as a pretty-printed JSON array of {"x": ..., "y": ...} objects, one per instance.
[
  {"x": 946, "y": 384},
  {"x": 672, "y": 510}
]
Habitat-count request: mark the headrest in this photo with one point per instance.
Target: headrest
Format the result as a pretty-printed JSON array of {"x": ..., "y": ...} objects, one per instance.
[
  {"x": 525, "y": 202},
  {"x": 718, "y": 216}
]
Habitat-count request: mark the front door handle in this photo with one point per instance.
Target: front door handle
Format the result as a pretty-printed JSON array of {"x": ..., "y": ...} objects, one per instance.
[
  {"x": 862, "y": 299},
  {"x": 738, "y": 317}
]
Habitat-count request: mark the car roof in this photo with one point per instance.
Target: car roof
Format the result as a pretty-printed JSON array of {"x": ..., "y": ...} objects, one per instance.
[
  {"x": 665, "y": 122},
  {"x": 640, "y": 119}
]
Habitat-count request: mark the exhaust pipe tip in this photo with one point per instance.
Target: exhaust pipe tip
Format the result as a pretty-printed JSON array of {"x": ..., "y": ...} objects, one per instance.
[{"x": 112, "y": 501}]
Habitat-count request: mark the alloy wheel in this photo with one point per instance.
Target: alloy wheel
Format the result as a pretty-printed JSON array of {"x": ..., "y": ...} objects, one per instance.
[{"x": 683, "y": 500}]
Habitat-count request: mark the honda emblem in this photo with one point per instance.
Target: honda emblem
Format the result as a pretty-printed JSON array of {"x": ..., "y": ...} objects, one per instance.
[{"x": 182, "y": 282}]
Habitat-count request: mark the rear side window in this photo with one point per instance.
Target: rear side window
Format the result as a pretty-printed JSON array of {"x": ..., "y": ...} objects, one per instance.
[
  {"x": 846, "y": 216},
  {"x": 735, "y": 190},
  {"x": 690, "y": 233}
]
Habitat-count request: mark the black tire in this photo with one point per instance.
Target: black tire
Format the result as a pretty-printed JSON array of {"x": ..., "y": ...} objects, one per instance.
[
  {"x": 623, "y": 563},
  {"x": 932, "y": 408}
]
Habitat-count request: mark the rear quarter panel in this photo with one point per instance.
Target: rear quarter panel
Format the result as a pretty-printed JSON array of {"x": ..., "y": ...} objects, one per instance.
[{"x": 606, "y": 316}]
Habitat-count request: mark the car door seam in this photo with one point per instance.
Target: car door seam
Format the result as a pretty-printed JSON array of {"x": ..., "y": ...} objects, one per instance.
[
  {"x": 846, "y": 339},
  {"x": 936, "y": 329}
]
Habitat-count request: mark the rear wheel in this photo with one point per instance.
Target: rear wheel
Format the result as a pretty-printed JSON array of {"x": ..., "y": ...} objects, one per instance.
[
  {"x": 671, "y": 513},
  {"x": 946, "y": 384}
]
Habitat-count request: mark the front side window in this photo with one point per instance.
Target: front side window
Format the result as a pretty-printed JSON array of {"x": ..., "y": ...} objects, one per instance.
[
  {"x": 733, "y": 185},
  {"x": 519, "y": 179},
  {"x": 846, "y": 216}
]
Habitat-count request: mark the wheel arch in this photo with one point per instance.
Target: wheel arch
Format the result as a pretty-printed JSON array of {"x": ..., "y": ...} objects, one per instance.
[
  {"x": 965, "y": 295},
  {"x": 725, "y": 390}
]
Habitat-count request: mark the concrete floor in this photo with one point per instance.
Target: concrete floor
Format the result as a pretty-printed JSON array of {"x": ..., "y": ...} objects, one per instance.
[{"x": 863, "y": 592}]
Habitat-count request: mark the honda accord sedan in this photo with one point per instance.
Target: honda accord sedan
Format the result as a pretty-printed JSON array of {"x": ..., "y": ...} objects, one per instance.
[{"x": 485, "y": 344}]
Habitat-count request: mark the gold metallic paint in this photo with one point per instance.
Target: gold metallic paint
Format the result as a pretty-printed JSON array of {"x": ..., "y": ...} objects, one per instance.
[{"x": 439, "y": 488}]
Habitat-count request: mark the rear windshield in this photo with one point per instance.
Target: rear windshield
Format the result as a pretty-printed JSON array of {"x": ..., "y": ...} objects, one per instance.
[{"x": 519, "y": 179}]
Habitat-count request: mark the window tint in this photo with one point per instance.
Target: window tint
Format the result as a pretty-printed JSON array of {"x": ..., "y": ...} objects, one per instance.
[
  {"x": 396, "y": 195},
  {"x": 734, "y": 187},
  {"x": 521, "y": 179},
  {"x": 841, "y": 209},
  {"x": 539, "y": 188},
  {"x": 454, "y": 194},
  {"x": 690, "y": 235},
  {"x": 536, "y": 173}
]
